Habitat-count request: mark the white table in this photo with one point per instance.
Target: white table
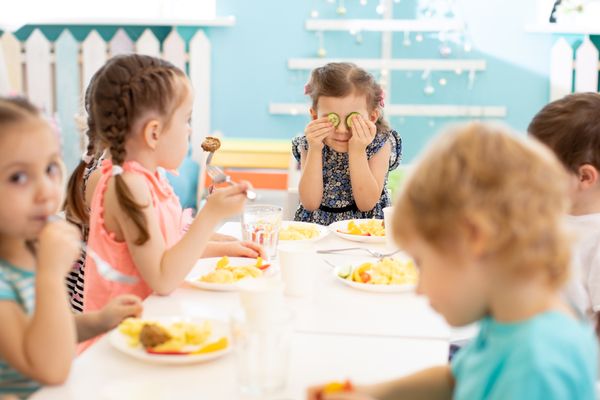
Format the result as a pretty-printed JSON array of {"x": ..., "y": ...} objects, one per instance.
[{"x": 339, "y": 333}]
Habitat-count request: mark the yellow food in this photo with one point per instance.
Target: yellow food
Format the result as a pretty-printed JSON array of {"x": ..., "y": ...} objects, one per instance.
[
  {"x": 387, "y": 271},
  {"x": 225, "y": 273},
  {"x": 298, "y": 232},
  {"x": 182, "y": 334},
  {"x": 217, "y": 345},
  {"x": 372, "y": 227}
]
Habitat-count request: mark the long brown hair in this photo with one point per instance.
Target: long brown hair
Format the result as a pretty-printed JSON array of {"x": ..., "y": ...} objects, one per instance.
[
  {"x": 123, "y": 90},
  {"x": 342, "y": 79},
  {"x": 74, "y": 206}
]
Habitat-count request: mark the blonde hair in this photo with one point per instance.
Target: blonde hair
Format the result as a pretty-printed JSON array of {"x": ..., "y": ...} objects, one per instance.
[{"x": 513, "y": 189}]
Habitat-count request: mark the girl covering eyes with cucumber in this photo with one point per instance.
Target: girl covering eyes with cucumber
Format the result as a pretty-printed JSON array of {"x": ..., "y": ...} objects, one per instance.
[{"x": 347, "y": 150}]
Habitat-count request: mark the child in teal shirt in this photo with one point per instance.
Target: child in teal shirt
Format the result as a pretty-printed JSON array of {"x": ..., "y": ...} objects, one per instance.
[{"x": 482, "y": 216}]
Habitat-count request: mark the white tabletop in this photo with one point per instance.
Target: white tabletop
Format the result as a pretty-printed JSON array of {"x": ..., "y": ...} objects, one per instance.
[
  {"x": 104, "y": 373},
  {"x": 339, "y": 333}
]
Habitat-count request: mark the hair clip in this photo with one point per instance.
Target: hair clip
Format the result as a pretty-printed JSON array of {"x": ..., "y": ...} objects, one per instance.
[
  {"x": 86, "y": 158},
  {"x": 117, "y": 170},
  {"x": 307, "y": 88}
]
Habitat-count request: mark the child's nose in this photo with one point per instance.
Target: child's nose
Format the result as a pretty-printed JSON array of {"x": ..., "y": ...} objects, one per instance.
[{"x": 45, "y": 190}]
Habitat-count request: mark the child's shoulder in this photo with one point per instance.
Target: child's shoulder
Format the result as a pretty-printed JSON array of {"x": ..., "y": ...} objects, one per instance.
[{"x": 381, "y": 139}]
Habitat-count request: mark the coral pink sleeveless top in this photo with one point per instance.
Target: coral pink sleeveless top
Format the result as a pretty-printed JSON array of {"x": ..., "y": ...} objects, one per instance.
[{"x": 173, "y": 221}]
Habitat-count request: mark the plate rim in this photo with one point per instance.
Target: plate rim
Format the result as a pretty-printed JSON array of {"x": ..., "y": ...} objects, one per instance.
[
  {"x": 117, "y": 341},
  {"x": 218, "y": 287},
  {"x": 375, "y": 288},
  {"x": 323, "y": 231},
  {"x": 356, "y": 238}
]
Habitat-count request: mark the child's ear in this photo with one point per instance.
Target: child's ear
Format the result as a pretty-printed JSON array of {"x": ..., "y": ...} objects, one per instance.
[
  {"x": 374, "y": 116},
  {"x": 313, "y": 113},
  {"x": 151, "y": 133},
  {"x": 587, "y": 176}
]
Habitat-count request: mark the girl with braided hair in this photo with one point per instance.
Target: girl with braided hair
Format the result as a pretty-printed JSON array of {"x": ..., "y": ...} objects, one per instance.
[{"x": 139, "y": 109}]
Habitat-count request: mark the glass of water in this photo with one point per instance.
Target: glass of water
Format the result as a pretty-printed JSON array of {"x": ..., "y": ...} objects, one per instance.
[
  {"x": 263, "y": 354},
  {"x": 260, "y": 224}
]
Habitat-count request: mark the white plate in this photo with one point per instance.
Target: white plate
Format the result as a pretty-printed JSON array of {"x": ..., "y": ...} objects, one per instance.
[
  {"x": 206, "y": 265},
  {"x": 323, "y": 231},
  {"x": 343, "y": 226},
  {"x": 373, "y": 287},
  {"x": 220, "y": 329}
]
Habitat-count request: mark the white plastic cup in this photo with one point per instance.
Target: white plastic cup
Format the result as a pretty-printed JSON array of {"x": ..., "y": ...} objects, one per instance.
[
  {"x": 298, "y": 269},
  {"x": 262, "y": 300}
]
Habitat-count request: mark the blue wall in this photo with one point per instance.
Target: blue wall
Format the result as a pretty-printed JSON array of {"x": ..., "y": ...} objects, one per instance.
[{"x": 249, "y": 66}]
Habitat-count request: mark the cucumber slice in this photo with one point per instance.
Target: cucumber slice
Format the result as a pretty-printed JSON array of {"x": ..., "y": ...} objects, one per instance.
[
  {"x": 334, "y": 119},
  {"x": 344, "y": 272},
  {"x": 349, "y": 118}
]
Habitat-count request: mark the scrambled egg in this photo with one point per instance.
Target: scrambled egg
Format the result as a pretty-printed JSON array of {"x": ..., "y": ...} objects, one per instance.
[
  {"x": 225, "y": 273},
  {"x": 182, "y": 334},
  {"x": 372, "y": 227},
  {"x": 298, "y": 232},
  {"x": 387, "y": 271}
]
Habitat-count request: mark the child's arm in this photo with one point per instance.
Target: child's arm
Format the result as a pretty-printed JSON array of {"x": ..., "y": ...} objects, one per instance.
[
  {"x": 435, "y": 383},
  {"x": 310, "y": 187},
  {"x": 367, "y": 176},
  {"x": 42, "y": 346},
  {"x": 92, "y": 324},
  {"x": 162, "y": 268}
]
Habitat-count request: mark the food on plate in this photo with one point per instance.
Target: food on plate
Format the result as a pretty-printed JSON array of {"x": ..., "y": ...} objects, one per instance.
[
  {"x": 179, "y": 337},
  {"x": 387, "y": 271},
  {"x": 225, "y": 273},
  {"x": 211, "y": 144},
  {"x": 153, "y": 335},
  {"x": 298, "y": 232},
  {"x": 372, "y": 227}
]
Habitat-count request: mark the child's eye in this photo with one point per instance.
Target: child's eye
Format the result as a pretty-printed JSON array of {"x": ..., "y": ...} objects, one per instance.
[
  {"x": 53, "y": 169},
  {"x": 18, "y": 178}
]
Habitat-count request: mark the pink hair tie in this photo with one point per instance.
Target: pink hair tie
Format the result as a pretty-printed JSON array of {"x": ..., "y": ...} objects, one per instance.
[{"x": 307, "y": 88}]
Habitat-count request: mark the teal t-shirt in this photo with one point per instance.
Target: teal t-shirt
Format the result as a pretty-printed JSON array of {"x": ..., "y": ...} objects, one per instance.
[
  {"x": 17, "y": 285},
  {"x": 550, "y": 356}
]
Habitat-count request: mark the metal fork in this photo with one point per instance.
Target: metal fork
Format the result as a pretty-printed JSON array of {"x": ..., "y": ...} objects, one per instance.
[
  {"x": 209, "y": 158},
  {"x": 373, "y": 253},
  {"x": 218, "y": 176}
]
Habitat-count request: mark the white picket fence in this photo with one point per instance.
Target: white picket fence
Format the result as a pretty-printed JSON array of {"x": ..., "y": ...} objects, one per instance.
[
  {"x": 568, "y": 76},
  {"x": 54, "y": 75}
]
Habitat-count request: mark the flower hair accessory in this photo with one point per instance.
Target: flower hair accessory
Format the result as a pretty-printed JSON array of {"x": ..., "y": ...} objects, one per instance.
[
  {"x": 117, "y": 170},
  {"x": 307, "y": 88},
  {"x": 381, "y": 98}
]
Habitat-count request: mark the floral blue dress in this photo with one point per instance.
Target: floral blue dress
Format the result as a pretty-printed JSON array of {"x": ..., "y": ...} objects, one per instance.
[{"x": 338, "y": 201}]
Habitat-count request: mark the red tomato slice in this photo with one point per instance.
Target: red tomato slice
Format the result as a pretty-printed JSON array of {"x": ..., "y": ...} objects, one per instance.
[{"x": 168, "y": 353}]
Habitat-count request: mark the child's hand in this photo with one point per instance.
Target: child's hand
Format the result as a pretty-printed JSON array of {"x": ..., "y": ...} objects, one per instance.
[
  {"x": 117, "y": 310},
  {"x": 316, "y": 131},
  {"x": 244, "y": 249},
  {"x": 59, "y": 245},
  {"x": 320, "y": 392},
  {"x": 228, "y": 201},
  {"x": 363, "y": 133}
]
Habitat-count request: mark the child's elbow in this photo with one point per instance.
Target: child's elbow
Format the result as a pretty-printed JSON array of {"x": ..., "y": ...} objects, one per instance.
[
  {"x": 163, "y": 291},
  {"x": 365, "y": 206},
  {"x": 54, "y": 376}
]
